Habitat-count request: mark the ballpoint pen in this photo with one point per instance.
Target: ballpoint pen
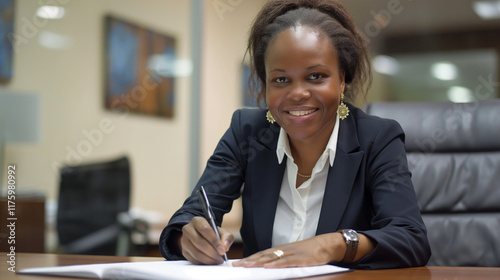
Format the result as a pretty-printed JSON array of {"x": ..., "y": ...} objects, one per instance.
[{"x": 209, "y": 214}]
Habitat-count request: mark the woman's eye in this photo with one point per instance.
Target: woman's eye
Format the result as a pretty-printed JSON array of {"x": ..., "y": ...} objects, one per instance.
[
  {"x": 281, "y": 80},
  {"x": 315, "y": 76}
]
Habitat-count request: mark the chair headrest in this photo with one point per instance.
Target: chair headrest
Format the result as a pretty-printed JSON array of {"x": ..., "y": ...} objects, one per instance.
[{"x": 433, "y": 127}]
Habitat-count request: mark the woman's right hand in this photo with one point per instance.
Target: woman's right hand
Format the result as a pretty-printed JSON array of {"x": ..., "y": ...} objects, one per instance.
[{"x": 199, "y": 243}]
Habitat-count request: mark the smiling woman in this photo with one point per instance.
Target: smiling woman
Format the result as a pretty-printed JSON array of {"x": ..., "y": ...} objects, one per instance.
[
  {"x": 303, "y": 91},
  {"x": 321, "y": 182}
]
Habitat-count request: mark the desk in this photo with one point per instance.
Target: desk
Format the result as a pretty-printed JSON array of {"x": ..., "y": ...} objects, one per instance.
[{"x": 24, "y": 260}]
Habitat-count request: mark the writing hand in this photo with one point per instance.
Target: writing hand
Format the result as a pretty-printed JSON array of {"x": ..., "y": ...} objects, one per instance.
[
  {"x": 317, "y": 250},
  {"x": 199, "y": 243}
]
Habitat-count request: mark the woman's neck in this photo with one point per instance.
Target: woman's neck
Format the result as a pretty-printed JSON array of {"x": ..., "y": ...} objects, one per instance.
[{"x": 306, "y": 153}]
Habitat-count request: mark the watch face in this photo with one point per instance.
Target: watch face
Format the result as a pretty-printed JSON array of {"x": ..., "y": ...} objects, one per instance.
[{"x": 351, "y": 235}]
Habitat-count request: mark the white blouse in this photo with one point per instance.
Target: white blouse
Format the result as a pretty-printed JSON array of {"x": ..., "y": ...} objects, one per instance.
[{"x": 297, "y": 214}]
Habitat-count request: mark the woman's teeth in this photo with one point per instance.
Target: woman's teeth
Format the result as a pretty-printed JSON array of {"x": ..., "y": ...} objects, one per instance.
[{"x": 300, "y": 113}]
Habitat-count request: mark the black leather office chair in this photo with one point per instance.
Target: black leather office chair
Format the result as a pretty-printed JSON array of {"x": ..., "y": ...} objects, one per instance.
[
  {"x": 92, "y": 216},
  {"x": 454, "y": 155}
]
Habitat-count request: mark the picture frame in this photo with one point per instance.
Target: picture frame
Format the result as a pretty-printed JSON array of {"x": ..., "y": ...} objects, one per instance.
[
  {"x": 140, "y": 66},
  {"x": 6, "y": 40}
]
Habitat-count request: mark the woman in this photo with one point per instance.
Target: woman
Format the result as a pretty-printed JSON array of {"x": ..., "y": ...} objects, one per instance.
[{"x": 321, "y": 182}]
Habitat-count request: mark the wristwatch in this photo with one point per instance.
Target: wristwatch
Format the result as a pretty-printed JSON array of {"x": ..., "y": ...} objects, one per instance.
[{"x": 351, "y": 238}]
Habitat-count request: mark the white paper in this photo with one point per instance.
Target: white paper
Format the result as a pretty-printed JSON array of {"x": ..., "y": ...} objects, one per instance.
[{"x": 180, "y": 270}]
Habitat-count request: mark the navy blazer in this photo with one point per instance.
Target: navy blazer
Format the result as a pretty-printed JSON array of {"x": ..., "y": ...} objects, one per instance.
[{"x": 368, "y": 189}]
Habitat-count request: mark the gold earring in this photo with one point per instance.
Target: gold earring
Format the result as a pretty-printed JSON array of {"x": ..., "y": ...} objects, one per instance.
[
  {"x": 343, "y": 110},
  {"x": 270, "y": 117}
]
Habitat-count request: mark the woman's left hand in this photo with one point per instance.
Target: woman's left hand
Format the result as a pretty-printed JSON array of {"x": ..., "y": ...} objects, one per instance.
[{"x": 317, "y": 250}]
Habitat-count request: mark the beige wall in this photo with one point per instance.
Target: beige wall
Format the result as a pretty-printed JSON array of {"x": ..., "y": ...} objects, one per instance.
[
  {"x": 227, "y": 25},
  {"x": 70, "y": 82}
]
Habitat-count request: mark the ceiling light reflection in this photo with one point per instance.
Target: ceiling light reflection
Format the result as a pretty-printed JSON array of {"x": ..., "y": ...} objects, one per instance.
[
  {"x": 445, "y": 71},
  {"x": 50, "y": 12},
  {"x": 53, "y": 40},
  {"x": 385, "y": 64},
  {"x": 168, "y": 66},
  {"x": 487, "y": 9},
  {"x": 460, "y": 94}
]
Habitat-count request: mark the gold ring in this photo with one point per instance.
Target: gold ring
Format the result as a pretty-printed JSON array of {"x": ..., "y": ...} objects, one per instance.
[{"x": 278, "y": 253}]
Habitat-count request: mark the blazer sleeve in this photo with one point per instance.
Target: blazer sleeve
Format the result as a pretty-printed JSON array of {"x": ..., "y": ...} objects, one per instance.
[
  {"x": 222, "y": 179},
  {"x": 396, "y": 224}
]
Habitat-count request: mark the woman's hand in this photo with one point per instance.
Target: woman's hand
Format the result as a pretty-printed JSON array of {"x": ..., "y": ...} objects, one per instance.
[
  {"x": 317, "y": 250},
  {"x": 199, "y": 243}
]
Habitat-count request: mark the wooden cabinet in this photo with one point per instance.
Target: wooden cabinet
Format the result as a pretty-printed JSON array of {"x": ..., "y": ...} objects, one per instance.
[{"x": 26, "y": 229}]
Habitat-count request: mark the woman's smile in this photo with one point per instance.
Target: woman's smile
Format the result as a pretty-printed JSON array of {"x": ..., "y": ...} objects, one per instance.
[
  {"x": 300, "y": 116},
  {"x": 301, "y": 113}
]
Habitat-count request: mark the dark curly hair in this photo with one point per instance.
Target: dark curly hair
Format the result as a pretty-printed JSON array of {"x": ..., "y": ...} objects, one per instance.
[{"x": 331, "y": 18}]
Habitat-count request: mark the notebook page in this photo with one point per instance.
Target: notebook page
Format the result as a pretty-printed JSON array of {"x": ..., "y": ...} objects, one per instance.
[{"x": 180, "y": 270}]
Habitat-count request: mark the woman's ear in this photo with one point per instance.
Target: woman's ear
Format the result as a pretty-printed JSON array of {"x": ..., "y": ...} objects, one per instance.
[{"x": 342, "y": 81}]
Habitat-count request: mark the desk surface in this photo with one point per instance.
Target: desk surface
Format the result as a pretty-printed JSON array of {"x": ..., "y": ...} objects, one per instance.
[{"x": 24, "y": 260}]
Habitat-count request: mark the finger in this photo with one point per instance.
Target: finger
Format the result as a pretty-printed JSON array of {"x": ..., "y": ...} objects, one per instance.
[
  {"x": 192, "y": 254},
  {"x": 247, "y": 260},
  {"x": 283, "y": 262},
  {"x": 293, "y": 260},
  {"x": 207, "y": 232},
  {"x": 258, "y": 259},
  {"x": 209, "y": 242},
  {"x": 227, "y": 238},
  {"x": 195, "y": 247},
  {"x": 196, "y": 256}
]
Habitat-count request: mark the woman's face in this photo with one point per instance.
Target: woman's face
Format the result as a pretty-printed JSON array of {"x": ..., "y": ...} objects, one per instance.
[{"x": 303, "y": 83}]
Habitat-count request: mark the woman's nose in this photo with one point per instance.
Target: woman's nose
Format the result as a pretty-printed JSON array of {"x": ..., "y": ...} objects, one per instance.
[{"x": 298, "y": 92}]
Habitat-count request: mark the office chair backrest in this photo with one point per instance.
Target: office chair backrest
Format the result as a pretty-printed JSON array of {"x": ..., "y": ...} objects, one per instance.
[
  {"x": 90, "y": 198},
  {"x": 454, "y": 156}
]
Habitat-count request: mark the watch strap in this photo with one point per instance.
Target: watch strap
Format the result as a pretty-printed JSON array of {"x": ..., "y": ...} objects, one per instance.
[{"x": 351, "y": 243}]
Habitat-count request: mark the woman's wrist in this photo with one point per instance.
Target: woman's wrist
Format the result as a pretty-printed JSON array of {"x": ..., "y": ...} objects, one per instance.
[{"x": 334, "y": 245}]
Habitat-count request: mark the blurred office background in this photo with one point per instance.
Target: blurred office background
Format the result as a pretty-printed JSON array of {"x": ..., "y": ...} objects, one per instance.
[{"x": 426, "y": 50}]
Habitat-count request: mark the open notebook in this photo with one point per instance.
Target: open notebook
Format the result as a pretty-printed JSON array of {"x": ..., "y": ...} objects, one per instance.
[{"x": 179, "y": 270}]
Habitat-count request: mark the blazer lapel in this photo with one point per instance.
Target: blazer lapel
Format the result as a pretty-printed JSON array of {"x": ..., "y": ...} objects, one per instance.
[
  {"x": 341, "y": 177},
  {"x": 266, "y": 189}
]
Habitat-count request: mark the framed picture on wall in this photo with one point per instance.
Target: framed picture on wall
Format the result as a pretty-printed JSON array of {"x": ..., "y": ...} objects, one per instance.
[
  {"x": 140, "y": 69},
  {"x": 6, "y": 37}
]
